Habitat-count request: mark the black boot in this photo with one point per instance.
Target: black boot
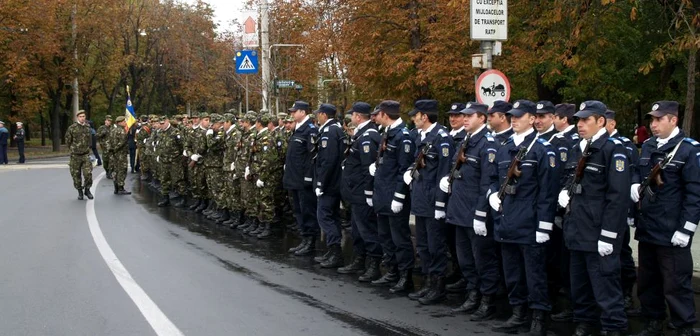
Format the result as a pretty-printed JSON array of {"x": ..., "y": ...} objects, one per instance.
[
  {"x": 322, "y": 258},
  {"x": 687, "y": 331},
  {"x": 80, "y": 194},
  {"x": 179, "y": 201},
  {"x": 210, "y": 207},
  {"x": 356, "y": 266},
  {"x": 405, "y": 283},
  {"x": 236, "y": 220},
  {"x": 266, "y": 232},
  {"x": 308, "y": 249},
  {"x": 458, "y": 287},
  {"x": 164, "y": 201},
  {"x": 653, "y": 328},
  {"x": 203, "y": 205},
  {"x": 196, "y": 204},
  {"x": 225, "y": 215},
  {"x": 487, "y": 309},
  {"x": 116, "y": 188},
  {"x": 335, "y": 260},
  {"x": 303, "y": 243},
  {"x": 247, "y": 222},
  {"x": 258, "y": 230},
  {"x": 472, "y": 303},
  {"x": 437, "y": 293},
  {"x": 215, "y": 214},
  {"x": 391, "y": 276},
  {"x": 88, "y": 194},
  {"x": 372, "y": 273},
  {"x": 566, "y": 315},
  {"x": 427, "y": 284},
  {"x": 123, "y": 191},
  {"x": 253, "y": 225},
  {"x": 584, "y": 329},
  {"x": 518, "y": 322},
  {"x": 539, "y": 323}
]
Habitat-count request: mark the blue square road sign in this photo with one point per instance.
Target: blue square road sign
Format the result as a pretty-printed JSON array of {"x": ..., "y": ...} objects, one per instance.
[{"x": 246, "y": 62}]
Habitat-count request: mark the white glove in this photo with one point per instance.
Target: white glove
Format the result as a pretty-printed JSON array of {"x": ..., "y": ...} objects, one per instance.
[
  {"x": 369, "y": 202},
  {"x": 195, "y": 157},
  {"x": 630, "y": 221},
  {"x": 564, "y": 198},
  {"x": 233, "y": 166},
  {"x": 495, "y": 202},
  {"x": 604, "y": 248},
  {"x": 259, "y": 183},
  {"x": 372, "y": 169},
  {"x": 144, "y": 140},
  {"x": 634, "y": 192},
  {"x": 480, "y": 228},
  {"x": 210, "y": 131},
  {"x": 235, "y": 177},
  {"x": 541, "y": 237},
  {"x": 396, "y": 207},
  {"x": 158, "y": 159},
  {"x": 184, "y": 153},
  {"x": 247, "y": 172},
  {"x": 319, "y": 192},
  {"x": 680, "y": 239},
  {"x": 444, "y": 184},
  {"x": 439, "y": 214},
  {"x": 407, "y": 177},
  {"x": 284, "y": 167}
]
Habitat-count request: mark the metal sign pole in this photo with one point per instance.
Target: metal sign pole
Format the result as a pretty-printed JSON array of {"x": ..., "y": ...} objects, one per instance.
[{"x": 246, "y": 94}]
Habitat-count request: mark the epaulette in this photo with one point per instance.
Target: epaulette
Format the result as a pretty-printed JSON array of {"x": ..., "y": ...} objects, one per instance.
[
  {"x": 543, "y": 141},
  {"x": 559, "y": 135},
  {"x": 369, "y": 131},
  {"x": 574, "y": 136},
  {"x": 510, "y": 139},
  {"x": 443, "y": 133},
  {"x": 312, "y": 126},
  {"x": 615, "y": 141},
  {"x": 693, "y": 142},
  {"x": 405, "y": 131},
  {"x": 624, "y": 139},
  {"x": 645, "y": 141},
  {"x": 325, "y": 130},
  {"x": 489, "y": 137}
]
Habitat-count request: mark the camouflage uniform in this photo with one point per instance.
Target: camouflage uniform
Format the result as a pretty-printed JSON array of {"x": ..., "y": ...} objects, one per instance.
[
  {"x": 213, "y": 161},
  {"x": 265, "y": 171},
  {"x": 103, "y": 138},
  {"x": 142, "y": 134},
  {"x": 196, "y": 147},
  {"x": 232, "y": 181},
  {"x": 168, "y": 155},
  {"x": 119, "y": 150},
  {"x": 245, "y": 145},
  {"x": 78, "y": 140}
]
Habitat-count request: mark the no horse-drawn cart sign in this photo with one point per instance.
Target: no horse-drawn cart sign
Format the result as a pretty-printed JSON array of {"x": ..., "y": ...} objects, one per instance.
[{"x": 491, "y": 86}]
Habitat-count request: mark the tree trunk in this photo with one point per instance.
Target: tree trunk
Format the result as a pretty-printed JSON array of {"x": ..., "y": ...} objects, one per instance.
[
  {"x": 56, "y": 121},
  {"x": 690, "y": 93}
]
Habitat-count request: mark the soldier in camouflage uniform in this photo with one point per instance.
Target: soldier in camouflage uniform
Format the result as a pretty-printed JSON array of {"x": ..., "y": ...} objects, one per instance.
[
  {"x": 231, "y": 190},
  {"x": 168, "y": 155},
  {"x": 247, "y": 186},
  {"x": 155, "y": 128},
  {"x": 78, "y": 140},
  {"x": 213, "y": 163},
  {"x": 267, "y": 173},
  {"x": 142, "y": 134},
  {"x": 188, "y": 133},
  {"x": 103, "y": 139},
  {"x": 119, "y": 150},
  {"x": 196, "y": 171}
]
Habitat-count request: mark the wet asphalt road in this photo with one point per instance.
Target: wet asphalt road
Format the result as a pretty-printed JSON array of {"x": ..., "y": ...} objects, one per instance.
[{"x": 206, "y": 279}]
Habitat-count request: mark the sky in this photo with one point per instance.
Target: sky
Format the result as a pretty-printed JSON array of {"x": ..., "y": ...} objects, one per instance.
[{"x": 227, "y": 10}]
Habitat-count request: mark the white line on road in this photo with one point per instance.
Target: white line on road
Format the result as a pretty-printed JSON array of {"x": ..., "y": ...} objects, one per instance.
[{"x": 155, "y": 317}]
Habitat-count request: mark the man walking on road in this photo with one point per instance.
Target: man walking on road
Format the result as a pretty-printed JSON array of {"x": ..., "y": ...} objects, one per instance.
[{"x": 78, "y": 141}]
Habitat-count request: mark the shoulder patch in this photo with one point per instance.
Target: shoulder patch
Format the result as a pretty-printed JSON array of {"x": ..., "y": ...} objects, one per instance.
[
  {"x": 312, "y": 126},
  {"x": 543, "y": 141},
  {"x": 615, "y": 141},
  {"x": 624, "y": 139},
  {"x": 489, "y": 137},
  {"x": 693, "y": 142},
  {"x": 443, "y": 133},
  {"x": 405, "y": 131},
  {"x": 574, "y": 136}
]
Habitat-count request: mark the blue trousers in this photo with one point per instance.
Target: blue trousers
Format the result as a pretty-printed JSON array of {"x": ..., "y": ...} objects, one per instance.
[
  {"x": 431, "y": 245},
  {"x": 328, "y": 213},
  {"x": 304, "y": 207},
  {"x": 478, "y": 260},
  {"x": 395, "y": 237},
  {"x": 365, "y": 239},
  {"x": 524, "y": 267}
]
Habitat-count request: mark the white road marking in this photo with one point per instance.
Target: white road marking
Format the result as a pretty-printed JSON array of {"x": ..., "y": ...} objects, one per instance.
[
  {"x": 155, "y": 317},
  {"x": 16, "y": 167}
]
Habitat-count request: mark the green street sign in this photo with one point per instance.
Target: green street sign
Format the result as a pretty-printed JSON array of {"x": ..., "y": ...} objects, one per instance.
[{"x": 285, "y": 84}]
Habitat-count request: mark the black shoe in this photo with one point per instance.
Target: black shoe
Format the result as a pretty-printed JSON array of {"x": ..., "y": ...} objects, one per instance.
[
  {"x": 356, "y": 266},
  {"x": 88, "y": 194},
  {"x": 486, "y": 311},
  {"x": 472, "y": 303},
  {"x": 116, "y": 188},
  {"x": 405, "y": 283},
  {"x": 225, "y": 216},
  {"x": 179, "y": 201},
  {"x": 566, "y": 315},
  {"x": 653, "y": 328},
  {"x": 372, "y": 273},
  {"x": 252, "y": 227},
  {"x": 80, "y": 194},
  {"x": 308, "y": 249},
  {"x": 584, "y": 329},
  {"x": 195, "y": 205},
  {"x": 427, "y": 284},
  {"x": 266, "y": 232},
  {"x": 258, "y": 230},
  {"x": 301, "y": 245},
  {"x": 122, "y": 191},
  {"x": 458, "y": 287},
  {"x": 211, "y": 205},
  {"x": 164, "y": 201},
  {"x": 335, "y": 260},
  {"x": 236, "y": 220},
  {"x": 517, "y": 322},
  {"x": 539, "y": 323},
  {"x": 437, "y": 293},
  {"x": 202, "y": 206},
  {"x": 322, "y": 258},
  {"x": 390, "y": 277}
]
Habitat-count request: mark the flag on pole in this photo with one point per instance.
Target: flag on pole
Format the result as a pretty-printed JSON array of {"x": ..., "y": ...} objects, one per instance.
[{"x": 129, "y": 114}]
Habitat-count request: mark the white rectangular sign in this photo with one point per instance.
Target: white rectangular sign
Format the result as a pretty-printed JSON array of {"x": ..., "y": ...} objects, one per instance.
[
  {"x": 250, "y": 41},
  {"x": 489, "y": 20}
]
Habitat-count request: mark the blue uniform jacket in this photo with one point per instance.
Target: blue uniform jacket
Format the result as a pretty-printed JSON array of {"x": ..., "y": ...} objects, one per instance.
[
  {"x": 388, "y": 178},
  {"x": 633, "y": 159},
  {"x": 328, "y": 164},
  {"x": 600, "y": 211},
  {"x": 356, "y": 180},
  {"x": 502, "y": 138},
  {"x": 426, "y": 196},
  {"x": 532, "y": 206},
  {"x": 561, "y": 146},
  {"x": 298, "y": 171},
  {"x": 468, "y": 199},
  {"x": 676, "y": 206},
  {"x": 459, "y": 136}
]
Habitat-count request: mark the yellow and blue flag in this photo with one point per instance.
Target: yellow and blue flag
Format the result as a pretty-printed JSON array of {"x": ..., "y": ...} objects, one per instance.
[{"x": 129, "y": 114}]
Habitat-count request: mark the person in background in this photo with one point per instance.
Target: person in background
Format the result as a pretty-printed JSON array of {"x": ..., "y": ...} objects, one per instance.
[
  {"x": 131, "y": 141},
  {"x": 19, "y": 138},
  {"x": 93, "y": 143},
  {"x": 4, "y": 135}
]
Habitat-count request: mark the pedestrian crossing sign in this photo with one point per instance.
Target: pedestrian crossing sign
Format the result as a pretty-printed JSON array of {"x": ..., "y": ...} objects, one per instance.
[{"x": 246, "y": 62}]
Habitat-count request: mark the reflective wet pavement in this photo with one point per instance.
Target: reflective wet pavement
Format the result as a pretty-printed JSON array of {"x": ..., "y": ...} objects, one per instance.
[{"x": 274, "y": 250}]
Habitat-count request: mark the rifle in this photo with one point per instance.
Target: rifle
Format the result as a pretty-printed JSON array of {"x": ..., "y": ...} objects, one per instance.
[
  {"x": 455, "y": 174},
  {"x": 420, "y": 161},
  {"x": 513, "y": 173},
  {"x": 654, "y": 176},
  {"x": 575, "y": 187}
]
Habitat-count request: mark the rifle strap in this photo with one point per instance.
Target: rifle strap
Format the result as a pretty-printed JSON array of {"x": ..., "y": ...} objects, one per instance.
[{"x": 672, "y": 154}]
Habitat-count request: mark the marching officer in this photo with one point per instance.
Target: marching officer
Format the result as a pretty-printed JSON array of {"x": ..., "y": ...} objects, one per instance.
[
  {"x": 388, "y": 197},
  {"x": 668, "y": 218},
  {"x": 526, "y": 200},
  {"x": 472, "y": 174},
  {"x": 78, "y": 141},
  {"x": 355, "y": 182},
  {"x": 499, "y": 121},
  {"x": 119, "y": 151},
  {"x": 428, "y": 204},
  {"x": 326, "y": 182},
  {"x": 594, "y": 241},
  {"x": 298, "y": 177}
]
